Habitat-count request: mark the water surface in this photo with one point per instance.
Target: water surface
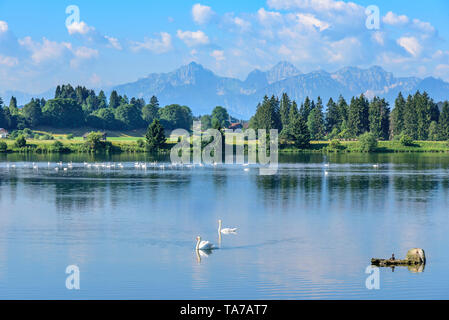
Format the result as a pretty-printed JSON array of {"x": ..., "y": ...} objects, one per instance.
[{"x": 302, "y": 234}]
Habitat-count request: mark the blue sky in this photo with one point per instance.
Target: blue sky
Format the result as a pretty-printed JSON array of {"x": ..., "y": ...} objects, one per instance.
[{"x": 115, "y": 42}]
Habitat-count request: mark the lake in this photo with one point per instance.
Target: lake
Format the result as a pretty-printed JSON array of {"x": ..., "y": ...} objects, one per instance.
[{"x": 302, "y": 234}]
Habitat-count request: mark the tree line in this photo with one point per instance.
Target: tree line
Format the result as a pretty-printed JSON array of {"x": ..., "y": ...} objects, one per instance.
[
  {"x": 418, "y": 117},
  {"x": 79, "y": 107}
]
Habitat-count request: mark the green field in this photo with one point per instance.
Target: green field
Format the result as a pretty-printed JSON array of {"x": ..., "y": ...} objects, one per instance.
[{"x": 127, "y": 141}]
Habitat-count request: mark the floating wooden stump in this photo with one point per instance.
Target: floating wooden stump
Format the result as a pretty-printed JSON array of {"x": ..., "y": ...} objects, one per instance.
[
  {"x": 414, "y": 257},
  {"x": 390, "y": 262}
]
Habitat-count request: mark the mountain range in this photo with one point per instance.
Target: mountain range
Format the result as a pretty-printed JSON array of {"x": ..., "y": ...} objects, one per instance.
[{"x": 202, "y": 90}]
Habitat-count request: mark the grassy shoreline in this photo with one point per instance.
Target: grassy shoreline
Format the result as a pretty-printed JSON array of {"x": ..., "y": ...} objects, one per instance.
[
  {"x": 383, "y": 147},
  {"x": 128, "y": 144}
]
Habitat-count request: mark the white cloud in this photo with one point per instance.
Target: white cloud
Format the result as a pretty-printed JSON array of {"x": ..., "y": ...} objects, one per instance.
[
  {"x": 378, "y": 37},
  {"x": 442, "y": 71},
  {"x": 395, "y": 20},
  {"x": 268, "y": 17},
  {"x": 45, "y": 51},
  {"x": 79, "y": 28},
  {"x": 3, "y": 26},
  {"x": 193, "y": 38},
  {"x": 54, "y": 52},
  {"x": 159, "y": 46},
  {"x": 92, "y": 35},
  {"x": 243, "y": 24},
  {"x": 81, "y": 55},
  {"x": 440, "y": 54},
  {"x": 345, "y": 50},
  {"x": 8, "y": 61},
  {"x": 310, "y": 20},
  {"x": 114, "y": 43},
  {"x": 86, "y": 53},
  {"x": 315, "y": 5},
  {"x": 202, "y": 14},
  {"x": 283, "y": 50},
  {"x": 411, "y": 45},
  {"x": 423, "y": 26},
  {"x": 218, "y": 55}
]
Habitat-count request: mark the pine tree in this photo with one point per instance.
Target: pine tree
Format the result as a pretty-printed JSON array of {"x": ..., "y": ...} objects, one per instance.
[
  {"x": 444, "y": 122},
  {"x": 294, "y": 113},
  {"x": 333, "y": 120},
  {"x": 154, "y": 102},
  {"x": 102, "y": 102},
  {"x": 114, "y": 100},
  {"x": 285, "y": 110},
  {"x": 342, "y": 110},
  {"x": 358, "y": 116},
  {"x": 410, "y": 119},
  {"x": 397, "y": 116},
  {"x": 427, "y": 111},
  {"x": 58, "y": 92},
  {"x": 275, "y": 113},
  {"x": 434, "y": 132},
  {"x": 267, "y": 115},
  {"x": 354, "y": 122},
  {"x": 298, "y": 133},
  {"x": 13, "y": 106},
  {"x": 155, "y": 136},
  {"x": 315, "y": 122},
  {"x": 379, "y": 115},
  {"x": 305, "y": 109}
]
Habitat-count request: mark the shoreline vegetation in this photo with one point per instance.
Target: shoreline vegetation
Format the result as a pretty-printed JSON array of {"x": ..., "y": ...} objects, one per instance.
[
  {"x": 40, "y": 142},
  {"x": 78, "y": 120}
]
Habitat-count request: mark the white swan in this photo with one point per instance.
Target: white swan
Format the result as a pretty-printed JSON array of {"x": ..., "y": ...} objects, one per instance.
[
  {"x": 225, "y": 230},
  {"x": 203, "y": 245}
]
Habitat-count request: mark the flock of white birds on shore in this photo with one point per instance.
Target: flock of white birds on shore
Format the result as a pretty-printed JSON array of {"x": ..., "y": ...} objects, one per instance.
[{"x": 61, "y": 166}]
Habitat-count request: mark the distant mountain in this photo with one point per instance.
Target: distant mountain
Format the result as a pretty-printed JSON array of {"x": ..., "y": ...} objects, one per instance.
[{"x": 201, "y": 89}]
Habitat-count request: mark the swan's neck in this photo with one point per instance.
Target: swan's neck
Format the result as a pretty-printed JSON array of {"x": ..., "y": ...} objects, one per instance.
[
  {"x": 219, "y": 226},
  {"x": 198, "y": 244}
]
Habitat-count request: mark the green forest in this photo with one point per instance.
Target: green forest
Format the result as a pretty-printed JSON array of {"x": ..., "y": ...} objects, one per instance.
[{"x": 414, "y": 118}]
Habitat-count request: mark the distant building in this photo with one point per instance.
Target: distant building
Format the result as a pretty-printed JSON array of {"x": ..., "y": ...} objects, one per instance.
[
  {"x": 104, "y": 134},
  {"x": 3, "y": 133},
  {"x": 235, "y": 126}
]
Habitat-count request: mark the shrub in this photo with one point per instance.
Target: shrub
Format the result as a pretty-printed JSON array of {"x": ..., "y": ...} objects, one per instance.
[
  {"x": 335, "y": 145},
  {"x": 95, "y": 142},
  {"x": 406, "y": 141},
  {"x": 20, "y": 142},
  {"x": 367, "y": 142},
  {"x": 47, "y": 137},
  {"x": 57, "y": 146},
  {"x": 70, "y": 136},
  {"x": 141, "y": 143},
  {"x": 27, "y": 132},
  {"x": 3, "y": 146}
]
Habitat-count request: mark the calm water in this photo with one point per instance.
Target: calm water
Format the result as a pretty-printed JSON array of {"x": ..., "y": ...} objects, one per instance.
[{"x": 302, "y": 234}]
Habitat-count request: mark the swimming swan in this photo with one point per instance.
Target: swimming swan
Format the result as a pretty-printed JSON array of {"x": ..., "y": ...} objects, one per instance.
[
  {"x": 203, "y": 245},
  {"x": 225, "y": 230}
]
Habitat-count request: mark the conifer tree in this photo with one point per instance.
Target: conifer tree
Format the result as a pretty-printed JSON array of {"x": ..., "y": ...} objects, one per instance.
[{"x": 397, "y": 116}]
